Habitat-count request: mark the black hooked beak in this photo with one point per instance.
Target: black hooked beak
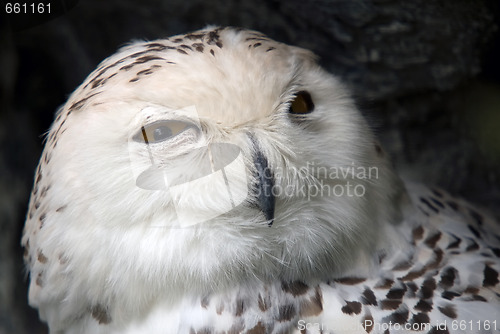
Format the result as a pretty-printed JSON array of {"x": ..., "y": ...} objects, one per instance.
[{"x": 264, "y": 184}]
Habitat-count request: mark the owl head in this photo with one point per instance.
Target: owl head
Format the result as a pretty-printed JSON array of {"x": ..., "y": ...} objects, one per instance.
[{"x": 187, "y": 164}]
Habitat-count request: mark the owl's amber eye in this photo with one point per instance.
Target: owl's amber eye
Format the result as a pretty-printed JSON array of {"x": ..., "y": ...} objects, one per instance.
[
  {"x": 160, "y": 131},
  {"x": 301, "y": 104}
]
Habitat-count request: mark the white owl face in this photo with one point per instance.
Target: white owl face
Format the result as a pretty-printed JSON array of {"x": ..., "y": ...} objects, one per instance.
[{"x": 185, "y": 164}]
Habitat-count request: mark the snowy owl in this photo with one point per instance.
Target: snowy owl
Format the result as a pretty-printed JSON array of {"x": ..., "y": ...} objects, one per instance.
[{"x": 222, "y": 182}]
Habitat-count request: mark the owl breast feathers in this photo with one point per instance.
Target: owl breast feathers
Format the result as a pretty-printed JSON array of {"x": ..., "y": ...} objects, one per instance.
[{"x": 222, "y": 182}]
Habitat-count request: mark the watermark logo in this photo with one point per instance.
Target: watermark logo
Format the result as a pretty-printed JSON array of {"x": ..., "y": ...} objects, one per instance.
[{"x": 203, "y": 182}]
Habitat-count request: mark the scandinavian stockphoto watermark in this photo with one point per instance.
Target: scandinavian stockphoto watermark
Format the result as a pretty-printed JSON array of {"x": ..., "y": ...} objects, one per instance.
[
  {"x": 369, "y": 325},
  {"x": 210, "y": 180},
  {"x": 314, "y": 180}
]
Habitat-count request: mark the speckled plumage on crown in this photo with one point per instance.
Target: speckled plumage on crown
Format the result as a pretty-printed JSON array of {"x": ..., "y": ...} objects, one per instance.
[{"x": 153, "y": 56}]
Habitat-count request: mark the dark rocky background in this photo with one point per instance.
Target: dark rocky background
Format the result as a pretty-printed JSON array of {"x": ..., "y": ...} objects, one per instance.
[{"x": 425, "y": 73}]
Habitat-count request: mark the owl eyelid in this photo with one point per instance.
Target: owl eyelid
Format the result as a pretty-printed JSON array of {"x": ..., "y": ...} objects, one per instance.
[
  {"x": 148, "y": 133},
  {"x": 301, "y": 104}
]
